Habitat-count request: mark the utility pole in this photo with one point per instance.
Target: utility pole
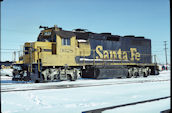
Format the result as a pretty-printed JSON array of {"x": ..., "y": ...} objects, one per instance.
[
  {"x": 155, "y": 59},
  {"x": 18, "y": 54},
  {"x": 0, "y": 27},
  {"x": 165, "y": 44},
  {"x": 14, "y": 56}
]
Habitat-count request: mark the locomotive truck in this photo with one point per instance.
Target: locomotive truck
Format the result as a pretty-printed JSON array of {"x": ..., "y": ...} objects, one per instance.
[{"x": 66, "y": 55}]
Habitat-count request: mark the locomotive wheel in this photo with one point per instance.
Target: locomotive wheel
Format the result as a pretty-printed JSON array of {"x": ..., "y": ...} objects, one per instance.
[
  {"x": 69, "y": 77},
  {"x": 129, "y": 75},
  {"x": 55, "y": 77},
  {"x": 145, "y": 74},
  {"x": 75, "y": 77},
  {"x": 48, "y": 78},
  {"x": 58, "y": 77},
  {"x": 135, "y": 75}
]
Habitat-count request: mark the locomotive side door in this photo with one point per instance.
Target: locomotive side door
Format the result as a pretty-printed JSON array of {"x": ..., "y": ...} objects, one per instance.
[{"x": 66, "y": 50}]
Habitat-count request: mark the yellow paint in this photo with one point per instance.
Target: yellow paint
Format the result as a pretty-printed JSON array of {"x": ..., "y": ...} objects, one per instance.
[
  {"x": 125, "y": 56},
  {"x": 106, "y": 54},
  {"x": 137, "y": 57},
  {"x": 113, "y": 55},
  {"x": 35, "y": 48},
  {"x": 6, "y": 67},
  {"x": 117, "y": 55},
  {"x": 65, "y": 55},
  {"x": 98, "y": 51},
  {"x": 134, "y": 54}
]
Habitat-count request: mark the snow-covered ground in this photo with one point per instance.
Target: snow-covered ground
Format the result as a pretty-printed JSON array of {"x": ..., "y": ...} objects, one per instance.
[
  {"x": 151, "y": 107},
  {"x": 77, "y": 100},
  {"x": 6, "y": 72}
]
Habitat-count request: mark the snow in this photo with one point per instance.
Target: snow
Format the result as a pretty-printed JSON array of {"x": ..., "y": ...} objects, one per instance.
[
  {"x": 152, "y": 107},
  {"x": 4, "y": 72},
  {"x": 77, "y": 100},
  {"x": 82, "y": 40}
]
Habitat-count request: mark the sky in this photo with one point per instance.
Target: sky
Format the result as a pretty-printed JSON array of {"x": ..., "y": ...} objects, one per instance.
[{"x": 21, "y": 19}]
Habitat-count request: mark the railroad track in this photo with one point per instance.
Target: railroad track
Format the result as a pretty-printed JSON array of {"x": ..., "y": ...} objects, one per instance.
[
  {"x": 46, "y": 87},
  {"x": 100, "y": 110},
  {"x": 29, "y": 82}
]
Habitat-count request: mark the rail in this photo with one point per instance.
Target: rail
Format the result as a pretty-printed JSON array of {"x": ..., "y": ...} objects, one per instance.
[
  {"x": 47, "y": 87},
  {"x": 100, "y": 110}
]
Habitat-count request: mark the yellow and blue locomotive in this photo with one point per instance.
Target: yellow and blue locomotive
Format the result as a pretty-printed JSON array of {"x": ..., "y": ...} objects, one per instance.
[{"x": 66, "y": 55}]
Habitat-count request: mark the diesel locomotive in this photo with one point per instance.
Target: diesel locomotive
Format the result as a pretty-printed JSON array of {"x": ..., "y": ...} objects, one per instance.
[{"x": 66, "y": 55}]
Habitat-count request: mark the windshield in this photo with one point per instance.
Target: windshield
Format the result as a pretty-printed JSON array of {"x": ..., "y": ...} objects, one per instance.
[{"x": 46, "y": 37}]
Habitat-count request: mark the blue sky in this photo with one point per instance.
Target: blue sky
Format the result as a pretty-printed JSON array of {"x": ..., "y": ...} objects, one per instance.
[{"x": 21, "y": 20}]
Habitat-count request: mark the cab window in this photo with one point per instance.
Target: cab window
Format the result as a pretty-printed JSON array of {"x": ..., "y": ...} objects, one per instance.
[
  {"x": 26, "y": 50},
  {"x": 47, "y": 33},
  {"x": 66, "y": 41}
]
